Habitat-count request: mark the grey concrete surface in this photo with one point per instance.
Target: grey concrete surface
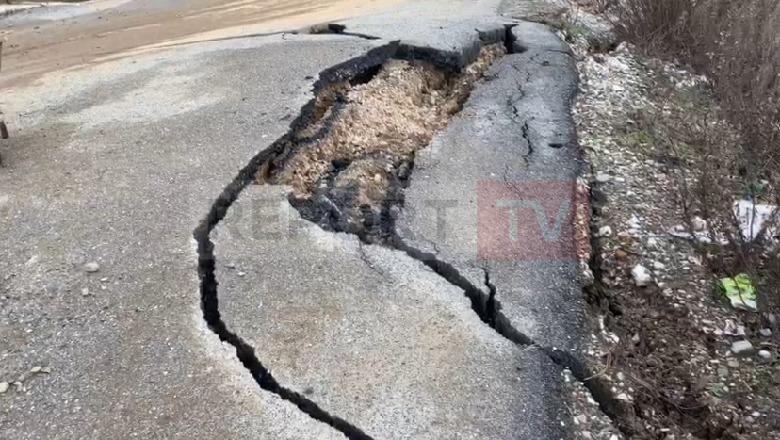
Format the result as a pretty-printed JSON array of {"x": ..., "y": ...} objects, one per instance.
[
  {"x": 446, "y": 34},
  {"x": 515, "y": 133},
  {"x": 372, "y": 335},
  {"x": 117, "y": 165}
]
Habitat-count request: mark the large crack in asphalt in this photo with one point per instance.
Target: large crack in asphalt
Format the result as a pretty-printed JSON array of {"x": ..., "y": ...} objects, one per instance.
[
  {"x": 369, "y": 213},
  {"x": 355, "y": 69},
  {"x": 488, "y": 307}
]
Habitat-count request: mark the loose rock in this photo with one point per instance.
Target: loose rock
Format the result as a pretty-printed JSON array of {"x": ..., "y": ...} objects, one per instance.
[
  {"x": 742, "y": 347},
  {"x": 641, "y": 275},
  {"x": 3, "y": 387},
  {"x": 91, "y": 267},
  {"x": 699, "y": 224}
]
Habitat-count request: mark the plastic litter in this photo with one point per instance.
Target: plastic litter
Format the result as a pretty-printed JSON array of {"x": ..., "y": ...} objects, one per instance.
[
  {"x": 739, "y": 291},
  {"x": 753, "y": 217}
]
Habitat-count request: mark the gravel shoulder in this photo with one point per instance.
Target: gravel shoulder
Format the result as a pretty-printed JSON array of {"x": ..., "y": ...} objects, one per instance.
[{"x": 669, "y": 346}]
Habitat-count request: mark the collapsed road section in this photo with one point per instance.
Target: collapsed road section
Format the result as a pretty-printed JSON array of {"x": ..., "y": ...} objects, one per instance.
[
  {"x": 350, "y": 178},
  {"x": 368, "y": 325}
]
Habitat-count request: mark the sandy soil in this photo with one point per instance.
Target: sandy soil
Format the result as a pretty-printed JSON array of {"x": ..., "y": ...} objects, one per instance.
[{"x": 105, "y": 29}]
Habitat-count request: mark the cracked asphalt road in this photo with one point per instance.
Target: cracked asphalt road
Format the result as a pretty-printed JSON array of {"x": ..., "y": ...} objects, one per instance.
[{"x": 119, "y": 162}]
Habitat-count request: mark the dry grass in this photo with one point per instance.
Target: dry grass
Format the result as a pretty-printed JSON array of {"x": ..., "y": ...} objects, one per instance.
[{"x": 737, "y": 45}]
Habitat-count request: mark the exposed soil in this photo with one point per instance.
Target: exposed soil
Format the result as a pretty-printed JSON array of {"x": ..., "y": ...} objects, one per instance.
[
  {"x": 107, "y": 29},
  {"x": 351, "y": 175}
]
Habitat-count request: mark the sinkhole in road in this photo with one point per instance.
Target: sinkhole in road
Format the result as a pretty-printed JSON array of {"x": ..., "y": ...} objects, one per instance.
[
  {"x": 354, "y": 95},
  {"x": 347, "y": 168}
]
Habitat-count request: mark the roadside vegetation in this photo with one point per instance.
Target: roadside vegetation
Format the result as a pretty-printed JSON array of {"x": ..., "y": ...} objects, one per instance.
[
  {"x": 736, "y": 44},
  {"x": 679, "y": 120}
]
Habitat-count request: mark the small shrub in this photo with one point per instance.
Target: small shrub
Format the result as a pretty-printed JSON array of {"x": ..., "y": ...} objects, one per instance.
[{"x": 737, "y": 45}]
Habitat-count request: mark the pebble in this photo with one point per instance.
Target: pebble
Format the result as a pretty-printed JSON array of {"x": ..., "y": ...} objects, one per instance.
[
  {"x": 641, "y": 275},
  {"x": 620, "y": 254},
  {"x": 742, "y": 347},
  {"x": 603, "y": 177},
  {"x": 652, "y": 243},
  {"x": 85, "y": 291},
  {"x": 36, "y": 369},
  {"x": 699, "y": 224},
  {"x": 732, "y": 363},
  {"x": 241, "y": 274},
  {"x": 605, "y": 231},
  {"x": 765, "y": 332},
  {"x": 3, "y": 387},
  {"x": 634, "y": 222},
  {"x": 657, "y": 265},
  {"x": 91, "y": 267},
  {"x": 765, "y": 354}
]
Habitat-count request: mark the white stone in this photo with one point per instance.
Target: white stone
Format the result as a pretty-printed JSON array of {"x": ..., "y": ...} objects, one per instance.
[
  {"x": 605, "y": 231},
  {"x": 3, "y": 387},
  {"x": 91, "y": 267},
  {"x": 765, "y": 332},
  {"x": 642, "y": 276},
  {"x": 765, "y": 354},
  {"x": 742, "y": 347},
  {"x": 652, "y": 243},
  {"x": 699, "y": 224},
  {"x": 603, "y": 177}
]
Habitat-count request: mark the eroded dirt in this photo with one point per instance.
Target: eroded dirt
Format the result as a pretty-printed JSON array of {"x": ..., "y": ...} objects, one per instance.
[
  {"x": 351, "y": 175},
  {"x": 109, "y": 29}
]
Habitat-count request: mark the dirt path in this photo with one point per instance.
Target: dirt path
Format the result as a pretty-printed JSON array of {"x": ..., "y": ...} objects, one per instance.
[{"x": 68, "y": 37}]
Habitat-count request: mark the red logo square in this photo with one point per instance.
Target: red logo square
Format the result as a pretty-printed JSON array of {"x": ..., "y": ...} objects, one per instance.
[{"x": 526, "y": 221}]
